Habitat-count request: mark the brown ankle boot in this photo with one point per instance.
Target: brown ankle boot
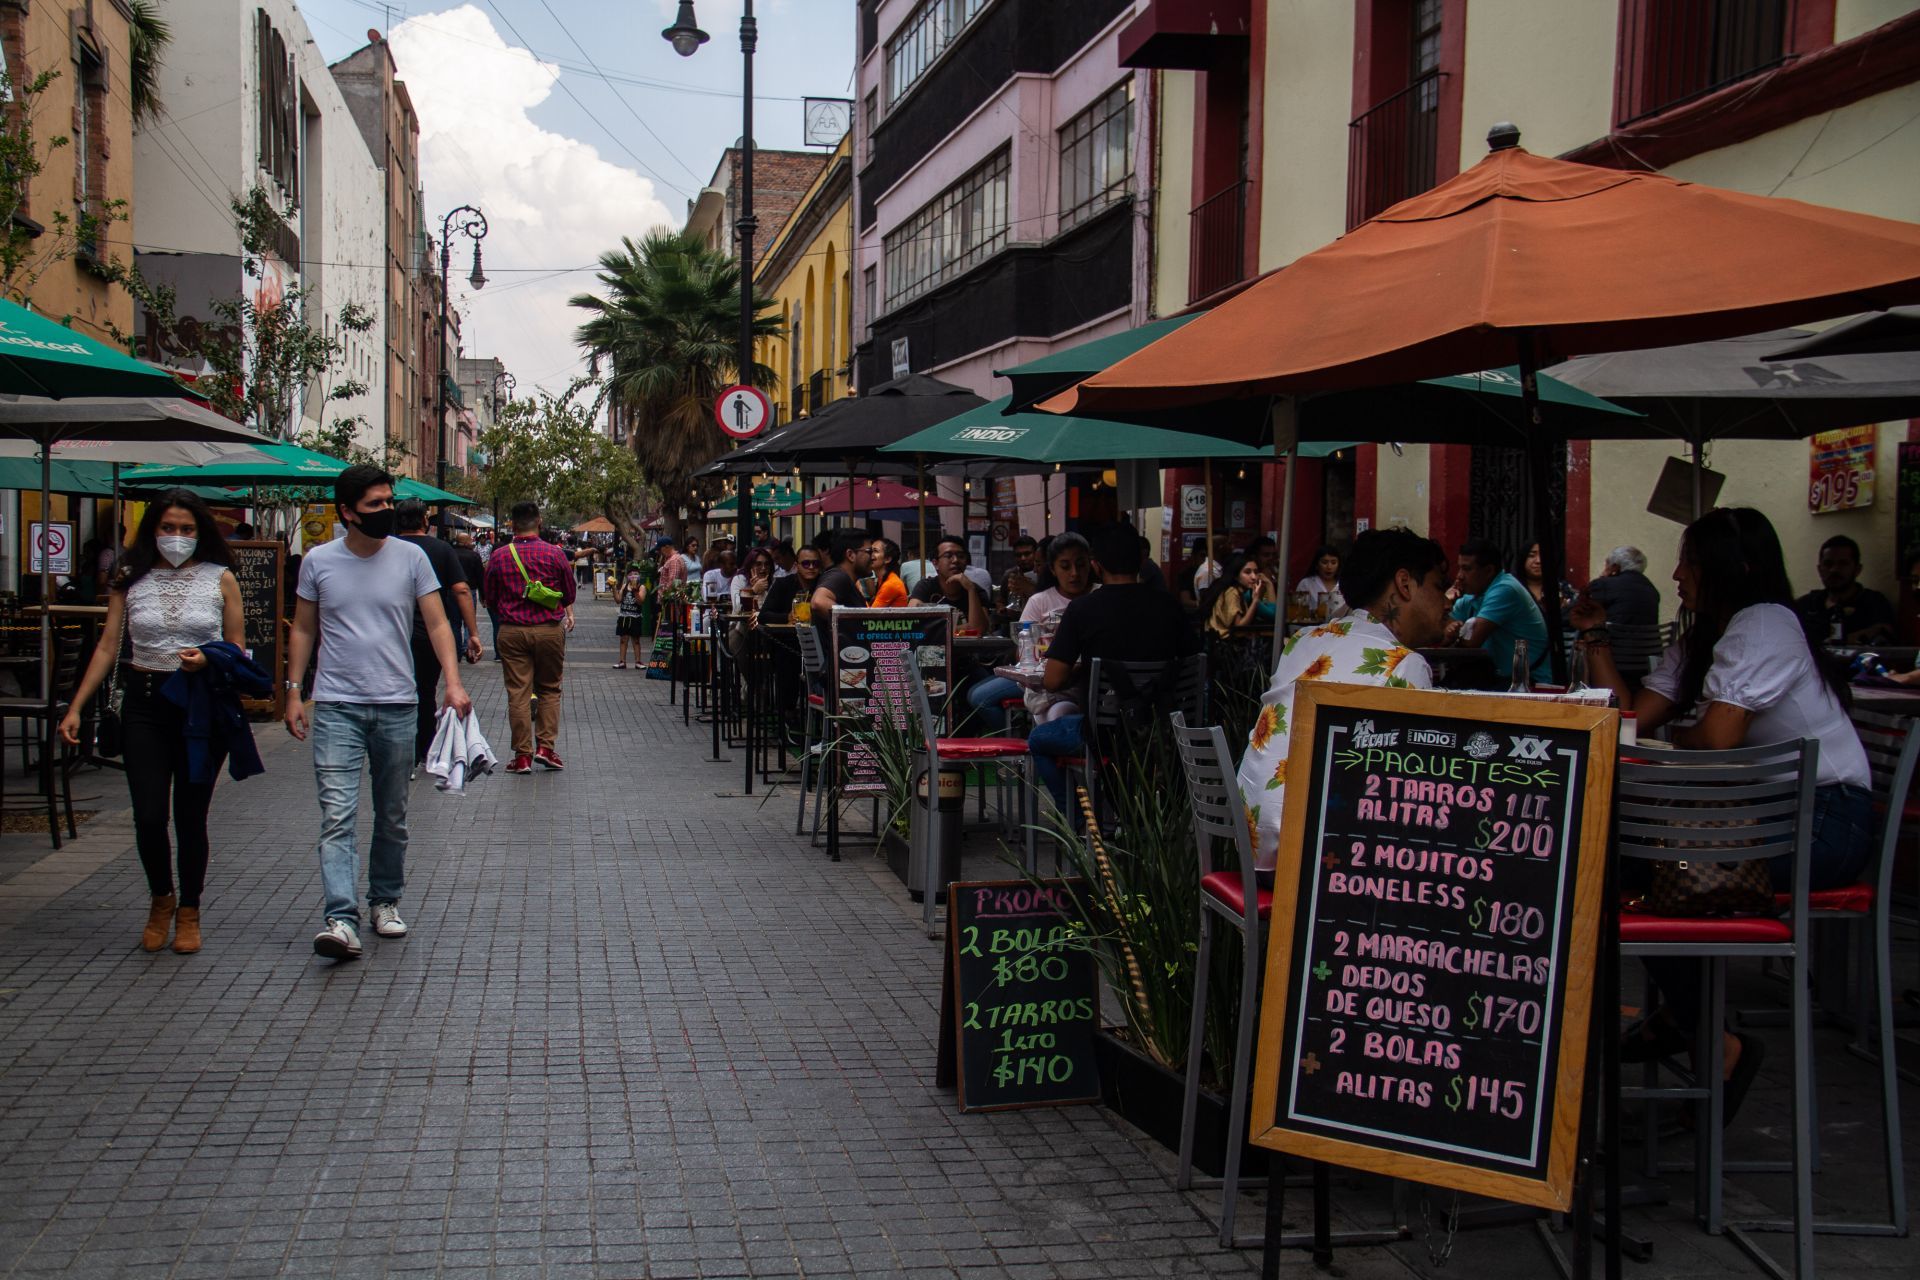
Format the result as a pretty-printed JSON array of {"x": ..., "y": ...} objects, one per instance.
[
  {"x": 186, "y": 931},
  {"x": 159, "y": 922}
]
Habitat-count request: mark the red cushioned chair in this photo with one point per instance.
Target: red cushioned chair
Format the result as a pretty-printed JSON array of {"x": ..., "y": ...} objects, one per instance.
[
  {"x": 1728, "y": 806},
  {"x": 1233, "y": 894},
  {"x": 1008, "y": 755}
]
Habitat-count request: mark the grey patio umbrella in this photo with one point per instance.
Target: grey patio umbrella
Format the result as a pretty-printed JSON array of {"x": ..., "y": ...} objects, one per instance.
[
  {"x": 107, "y": 427},
  {"x": 1895, "y": 329},
  {"x": 1733, "y": 389}
]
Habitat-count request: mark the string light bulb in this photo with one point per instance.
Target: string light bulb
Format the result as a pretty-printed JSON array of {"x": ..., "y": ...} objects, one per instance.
[
  {"x": 968, "y": 486},
  {"x": 1241, "y": 474}
]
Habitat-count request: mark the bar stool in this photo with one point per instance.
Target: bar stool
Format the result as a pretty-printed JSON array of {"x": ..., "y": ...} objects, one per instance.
[
  {"x": 1233, "y": 895},
  {"x": 1187, "y": 696},
  {"x": 56, "y": 759},
  {"x": 813, "y": 669},
  {"x": 1723, "y": 807},
  {"x": 1004, "y": 754}
]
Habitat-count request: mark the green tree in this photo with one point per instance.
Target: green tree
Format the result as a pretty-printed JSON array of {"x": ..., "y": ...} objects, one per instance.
[
  {"x": 148, "y": 36},
  {"x": 547, "y": 449},
  {"x": 666, "y": 325}
]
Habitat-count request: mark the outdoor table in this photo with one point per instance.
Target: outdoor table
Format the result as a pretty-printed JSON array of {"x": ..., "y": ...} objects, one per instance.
[{"x": 1888, "y": 701}]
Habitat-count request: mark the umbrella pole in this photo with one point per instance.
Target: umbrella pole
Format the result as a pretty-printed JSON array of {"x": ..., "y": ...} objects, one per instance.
[
  {"x": 1292, "y": 460},
  {"x": 1208, "y": 562},
  {"x": 1699, "y": 462},
  {"x": 119, "y": 523},
  {"x": 920, "y": 479},
  {"x": 46, "y": 570},
  {"x": 1549, "y": 515}
]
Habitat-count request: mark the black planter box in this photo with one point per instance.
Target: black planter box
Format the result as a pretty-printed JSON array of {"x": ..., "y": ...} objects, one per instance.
[{"x": 1147, "y": 1096}]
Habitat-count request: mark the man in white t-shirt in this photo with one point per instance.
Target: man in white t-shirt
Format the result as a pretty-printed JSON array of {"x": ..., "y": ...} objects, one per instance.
[{"x": 357, "y": 595}]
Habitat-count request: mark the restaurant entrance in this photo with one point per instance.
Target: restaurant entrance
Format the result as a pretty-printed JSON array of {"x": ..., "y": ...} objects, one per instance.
[{"x": 1500, "y": 506}]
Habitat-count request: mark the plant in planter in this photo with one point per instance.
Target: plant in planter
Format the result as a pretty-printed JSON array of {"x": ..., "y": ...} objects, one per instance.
[
  {"x": 887, "y": 734},
  {"x": 1140, "y": 911}
]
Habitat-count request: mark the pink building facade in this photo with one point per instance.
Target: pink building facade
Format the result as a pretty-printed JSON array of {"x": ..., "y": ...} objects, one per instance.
[{"x": 1001, "y": 208}]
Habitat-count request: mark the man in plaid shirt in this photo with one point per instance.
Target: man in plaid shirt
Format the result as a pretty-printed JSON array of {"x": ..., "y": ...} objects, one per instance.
[{"x": 533, "y": 637}]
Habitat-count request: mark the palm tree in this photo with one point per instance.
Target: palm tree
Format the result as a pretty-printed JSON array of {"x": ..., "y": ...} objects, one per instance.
[
  {"x": 667, "y": 325},
  {"x": 148, "y": 36}
]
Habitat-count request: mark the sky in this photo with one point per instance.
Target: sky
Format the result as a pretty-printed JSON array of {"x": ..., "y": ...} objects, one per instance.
[{"x": 571, "y": 123}]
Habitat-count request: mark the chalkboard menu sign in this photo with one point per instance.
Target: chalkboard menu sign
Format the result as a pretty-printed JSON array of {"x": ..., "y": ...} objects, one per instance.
[
  {"x": 871, "y": 649},
  {"x": 1435, "y": 923},
  {"x": 260, "y": 568},
  {"x": 660, "y": 656},
  {"x": 1020, "y": 1002}
]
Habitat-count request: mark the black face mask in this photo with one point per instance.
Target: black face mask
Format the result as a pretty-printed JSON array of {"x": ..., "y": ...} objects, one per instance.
[{"x": 375, "y": 524}]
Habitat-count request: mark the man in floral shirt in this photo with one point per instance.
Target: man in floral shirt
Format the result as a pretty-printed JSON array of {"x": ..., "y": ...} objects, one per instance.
[{"x": 1402, "y": 578}]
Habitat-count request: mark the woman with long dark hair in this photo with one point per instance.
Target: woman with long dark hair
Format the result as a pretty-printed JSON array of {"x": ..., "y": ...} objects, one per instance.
[
  {"x": 1236, "y": 600},
  {"x": 1751, "y": 674},
  {"x": 175, "y": 592}
]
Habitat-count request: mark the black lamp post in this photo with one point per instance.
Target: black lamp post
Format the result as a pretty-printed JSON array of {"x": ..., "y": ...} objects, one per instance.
[
  {"x": 474, "y": 226},
  {"x": 686, "y": 37},
  {"x": 499, "y": 379}
]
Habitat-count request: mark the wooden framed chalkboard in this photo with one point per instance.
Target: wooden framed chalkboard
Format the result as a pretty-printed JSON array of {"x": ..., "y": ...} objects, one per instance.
[
  {"x": 1436, "y": 918},
  {"x": 261, "y": 569},
  {"x": 660, "y": 656},
  {"x": 1020, "y": 1002}
]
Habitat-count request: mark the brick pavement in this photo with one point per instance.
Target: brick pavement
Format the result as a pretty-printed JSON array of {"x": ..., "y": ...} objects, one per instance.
[{"x": 639, "y": 1030}]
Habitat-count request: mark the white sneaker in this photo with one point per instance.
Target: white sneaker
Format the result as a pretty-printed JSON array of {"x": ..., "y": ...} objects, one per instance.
[
  {"x": 338, "y": 941},
  {"x": 387, "y": 922}
]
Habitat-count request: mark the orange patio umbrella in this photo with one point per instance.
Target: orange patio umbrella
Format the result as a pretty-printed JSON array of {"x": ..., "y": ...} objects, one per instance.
[{"x": 1519, "y": 258}]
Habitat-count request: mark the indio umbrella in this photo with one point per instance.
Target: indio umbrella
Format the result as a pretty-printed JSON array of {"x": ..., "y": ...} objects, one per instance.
[{"x": 1519, "y": 256}]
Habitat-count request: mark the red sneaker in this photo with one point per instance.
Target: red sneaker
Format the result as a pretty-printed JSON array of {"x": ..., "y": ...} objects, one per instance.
[
  {"x": 522, "y": 763},
  {"x": 546, "y": 757}
]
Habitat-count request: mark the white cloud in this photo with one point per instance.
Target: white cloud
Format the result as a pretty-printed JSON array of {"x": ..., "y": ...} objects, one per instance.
[{"x": 550, "y": 200}]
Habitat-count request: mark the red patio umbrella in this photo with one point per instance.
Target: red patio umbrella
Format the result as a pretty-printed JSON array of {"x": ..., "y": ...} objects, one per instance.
[
  {"x": 857, "y": 496},
  {"x": 1519, "y": 257}
]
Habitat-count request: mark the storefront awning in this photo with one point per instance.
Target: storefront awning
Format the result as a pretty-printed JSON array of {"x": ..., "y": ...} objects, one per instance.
[{"x": 1185, "y": 35}]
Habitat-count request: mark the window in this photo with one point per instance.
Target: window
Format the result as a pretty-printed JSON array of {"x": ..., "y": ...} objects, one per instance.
[
  {"x": 89, "y": 147},
  {"x": 1425, "y": 58},
  {"x": 277, "y": 108},
  {"x": 869, "y": 117},
  {"x": 795, "y": 339},
  {"x": 1096, "y": 156},
  {"x": 922, "y": 38},
  {"x": 960, "y": 228},
  {"x": 870, "y": 296},
  {"x": 1674, "y": 50}
]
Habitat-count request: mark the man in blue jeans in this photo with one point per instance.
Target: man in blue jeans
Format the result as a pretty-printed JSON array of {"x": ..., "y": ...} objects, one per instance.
[
  {"x": 357, "y": 595},
  {"x": 1125, "y": 620}
]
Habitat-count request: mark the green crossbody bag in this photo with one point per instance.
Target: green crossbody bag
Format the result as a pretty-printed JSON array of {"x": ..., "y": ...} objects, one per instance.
[{"x": 536, "y": 593}]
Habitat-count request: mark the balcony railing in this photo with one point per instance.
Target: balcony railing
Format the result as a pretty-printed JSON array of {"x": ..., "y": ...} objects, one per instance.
[
  {"x": 1217, "y": 246},
  {"x": 1393, "y": 150},
  {"x": 816, "y": 391},
  {"x": 1674, "y": 52}
]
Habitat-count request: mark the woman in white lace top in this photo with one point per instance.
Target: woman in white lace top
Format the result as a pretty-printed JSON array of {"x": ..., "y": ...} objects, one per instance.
[{"x": 174, "y": 594}]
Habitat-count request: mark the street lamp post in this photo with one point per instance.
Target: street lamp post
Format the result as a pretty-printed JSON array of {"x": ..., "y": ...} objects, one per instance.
[
  {"x": 474, "y": 226},
  {"x": 500, "y": 378},
  {"x": 686, "y": 37}
]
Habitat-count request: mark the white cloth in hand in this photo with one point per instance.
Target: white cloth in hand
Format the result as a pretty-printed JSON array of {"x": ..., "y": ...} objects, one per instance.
[{"x": 459, "y": 752}]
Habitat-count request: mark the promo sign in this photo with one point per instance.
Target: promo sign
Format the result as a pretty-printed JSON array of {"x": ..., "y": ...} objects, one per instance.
[
  {"x": 1841, "y": 469},
  {"x": 742, "y": 412},
  {"x": 1436, "y": 920}
]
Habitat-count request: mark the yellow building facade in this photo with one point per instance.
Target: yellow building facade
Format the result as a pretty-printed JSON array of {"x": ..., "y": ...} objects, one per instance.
[
  {"x": 808, "y": 274},
  {"x": 85, "y": 47}
]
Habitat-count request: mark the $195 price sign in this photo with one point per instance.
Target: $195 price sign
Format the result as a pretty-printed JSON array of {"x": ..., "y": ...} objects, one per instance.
[{"x": 1431, "y": 936}]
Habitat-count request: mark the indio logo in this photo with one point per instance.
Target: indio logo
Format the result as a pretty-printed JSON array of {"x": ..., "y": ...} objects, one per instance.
[{"x": 990, "y": 435}]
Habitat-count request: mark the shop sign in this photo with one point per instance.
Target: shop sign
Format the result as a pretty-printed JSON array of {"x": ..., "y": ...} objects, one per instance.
[
  {"x": 1193, "y": 506},
  {"x": 1841, "y": 469}
]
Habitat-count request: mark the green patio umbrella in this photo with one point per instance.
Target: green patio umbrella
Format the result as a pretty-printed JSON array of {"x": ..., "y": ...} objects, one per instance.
[
  {"x": 282, "y": 466},
  {"x": 409, "y": 488},
  {"x": 990, "y": 431},
  {"x": 1037, "y": 379},
  {"x": 41, "y": 358},
  {"x": 767, "y": 496},
  {"x": 87, "y": 479}
]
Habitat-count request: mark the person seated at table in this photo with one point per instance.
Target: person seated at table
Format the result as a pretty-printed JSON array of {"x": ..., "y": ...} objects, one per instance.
[
  {"x": 777, "y": 604},
  {"x": 1323, "y": 584},
  {"x": 1242, "y": 600},
  {"x": 750, "y": 585},
  {"x": 1023, "y": 579},
  {"x": 1843, "y": 611},
  {"x": 1071, "y": 565},
  {"x": 889, "y": 592},
  {"x": 1494, "y": 610},
  {"x": 840, "y": 585},
  {"x": 1125, "y": 620},
  {"x": 1750, "y": 671},
  {"x": 1533, "y": 577},
  {"x": 1402, "y": 579},
  {"x": 950, "y": 584},
  {"x": 718, "y": 577},
  {"x": 1624, "y": 590}
]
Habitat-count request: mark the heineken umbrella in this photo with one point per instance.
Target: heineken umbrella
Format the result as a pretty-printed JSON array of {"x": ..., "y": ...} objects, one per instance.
[
  {"x": 767, "y": 497},
  {"x": 991, "y": 432},
  {"x": 41, "y": 358},
  {"x": 406, "y": 488},
  {"x": 270, "y": 465},
  {"x": 87, "y": 479},
  {"x": 109, "y": 424}
]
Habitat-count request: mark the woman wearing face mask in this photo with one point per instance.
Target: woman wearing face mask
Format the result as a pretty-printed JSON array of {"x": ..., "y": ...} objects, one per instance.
[{"x": 174, "y": 593}]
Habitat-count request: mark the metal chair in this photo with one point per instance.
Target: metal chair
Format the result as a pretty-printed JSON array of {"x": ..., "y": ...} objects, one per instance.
[
  {"x": 1233, "y": 895},
  {"x": 1002, "y": 753},
  {"x": 1728, "y": 806},
  {"x": 813, "y": 670},
  {"x": 1103, "y": 726},
  {"x": 1637, "y": 650},
  {"x": 56, "y": 759}
]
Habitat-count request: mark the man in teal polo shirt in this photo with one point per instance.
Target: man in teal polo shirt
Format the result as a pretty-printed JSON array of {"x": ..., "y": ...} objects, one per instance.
[{"x": 1494, "y": 610}]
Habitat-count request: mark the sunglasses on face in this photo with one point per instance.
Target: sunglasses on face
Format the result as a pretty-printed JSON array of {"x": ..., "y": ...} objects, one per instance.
[{"x": 809, "y": 564}]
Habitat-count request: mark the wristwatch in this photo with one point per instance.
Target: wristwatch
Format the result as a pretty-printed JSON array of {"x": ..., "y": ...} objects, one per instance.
[{"x": 291, "y": 686}]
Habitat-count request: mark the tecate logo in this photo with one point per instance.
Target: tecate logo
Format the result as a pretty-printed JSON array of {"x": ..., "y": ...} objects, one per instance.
[{"x": 990, "y": 435}]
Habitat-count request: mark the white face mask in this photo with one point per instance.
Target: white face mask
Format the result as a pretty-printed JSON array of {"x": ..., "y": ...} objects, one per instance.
[{"x": 176, "y": 550}]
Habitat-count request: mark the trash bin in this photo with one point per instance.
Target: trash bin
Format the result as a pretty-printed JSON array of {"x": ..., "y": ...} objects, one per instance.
[{"x": 941, "y": 845}]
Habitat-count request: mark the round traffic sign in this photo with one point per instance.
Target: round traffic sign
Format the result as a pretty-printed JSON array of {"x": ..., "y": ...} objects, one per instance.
[{"x": 742, "y": 412}]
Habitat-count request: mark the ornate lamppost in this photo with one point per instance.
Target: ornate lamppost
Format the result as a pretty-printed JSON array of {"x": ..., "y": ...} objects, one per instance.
[{"x": 472, "y": 224}]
